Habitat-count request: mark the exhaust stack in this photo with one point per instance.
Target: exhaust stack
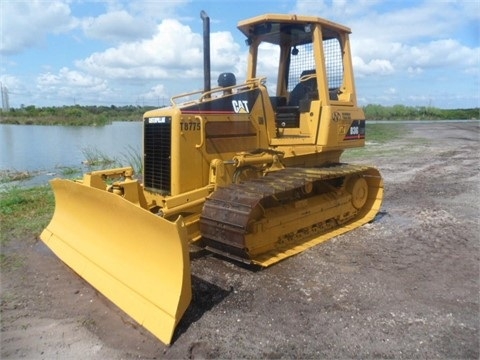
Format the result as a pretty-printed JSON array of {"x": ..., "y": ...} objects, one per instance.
[{"x": 206, "y": 51}]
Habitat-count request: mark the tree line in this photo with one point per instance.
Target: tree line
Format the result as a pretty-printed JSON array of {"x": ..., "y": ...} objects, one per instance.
[
  {"x": 72, "y": 115},
  {"x": 102, "y": 115}
]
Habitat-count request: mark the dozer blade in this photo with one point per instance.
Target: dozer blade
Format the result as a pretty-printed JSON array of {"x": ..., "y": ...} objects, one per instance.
[{"x": 136, "y": 259}]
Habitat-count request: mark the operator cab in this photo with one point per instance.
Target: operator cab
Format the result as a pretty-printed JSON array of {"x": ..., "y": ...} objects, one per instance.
[{"x": 309, "y": 54}]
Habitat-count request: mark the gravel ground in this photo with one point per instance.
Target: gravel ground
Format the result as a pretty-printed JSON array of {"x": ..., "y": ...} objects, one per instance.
[{"x": 404, "y": 286}]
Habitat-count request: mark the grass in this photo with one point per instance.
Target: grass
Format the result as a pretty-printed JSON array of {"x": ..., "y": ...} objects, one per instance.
[
  {"x": 376, "y": 134},
  {"x": 11, "y": 261},
  {"x": 7, "y": 176},
  {"x": 96, "y": 158},
  {"x": 69, "y": 172},
  {"x": 382, "y": 133},
  {"x": 133, "y": 158},
  {"x": 24, "y": 212}
]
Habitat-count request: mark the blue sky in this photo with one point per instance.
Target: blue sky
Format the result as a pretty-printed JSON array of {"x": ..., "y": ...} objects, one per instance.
[{"x": 142, "y": 52}]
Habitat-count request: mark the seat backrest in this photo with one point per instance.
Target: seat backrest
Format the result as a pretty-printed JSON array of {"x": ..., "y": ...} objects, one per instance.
[{"x": 303, "y": 89}]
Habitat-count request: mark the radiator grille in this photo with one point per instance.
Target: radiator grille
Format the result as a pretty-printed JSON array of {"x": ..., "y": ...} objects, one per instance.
[{"x": 157, "y": 154}]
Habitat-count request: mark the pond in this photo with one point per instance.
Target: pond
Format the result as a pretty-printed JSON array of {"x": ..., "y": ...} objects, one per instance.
[{"x": 46, "y": 149}]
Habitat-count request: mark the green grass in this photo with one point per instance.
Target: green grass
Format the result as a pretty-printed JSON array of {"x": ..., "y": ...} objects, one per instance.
[
  {"x": 132, "y": 158},
  {"x": 96, "y": 158},
  {"x": 383, "y": 133},
  {"x": 24, "y": 212},
  {"x": 376, "y": 135},
  {"x": 7, "y": 176},
  {"x": 69, "y": 172},
  {"x": 11, "y": 261}
]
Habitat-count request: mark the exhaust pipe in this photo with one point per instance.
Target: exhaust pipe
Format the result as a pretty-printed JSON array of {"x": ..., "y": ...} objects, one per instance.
[{"x": 206, "y": 51}]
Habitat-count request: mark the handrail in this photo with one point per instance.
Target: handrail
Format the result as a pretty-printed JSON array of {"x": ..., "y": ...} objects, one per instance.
[
  {"x": 205, "y": 96},
  {"x": 250, "y": 83},
  {"x": 202, "y": 131}
]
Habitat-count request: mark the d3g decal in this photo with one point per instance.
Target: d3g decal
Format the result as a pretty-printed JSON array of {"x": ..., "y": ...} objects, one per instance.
[{"x": 240, "y": 106}]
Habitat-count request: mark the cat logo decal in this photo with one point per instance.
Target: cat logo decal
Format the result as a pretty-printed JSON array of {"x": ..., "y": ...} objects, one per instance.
[{"x": 240, "y": 106}]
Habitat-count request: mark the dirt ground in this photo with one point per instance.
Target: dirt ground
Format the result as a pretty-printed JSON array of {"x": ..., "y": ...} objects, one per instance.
[{"x": 404, "y": 286}]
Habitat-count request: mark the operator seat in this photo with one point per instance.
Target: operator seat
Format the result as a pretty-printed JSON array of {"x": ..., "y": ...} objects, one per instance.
[
  {"x": 304, "y": 90},
  {"x": 298, "y": 101}
]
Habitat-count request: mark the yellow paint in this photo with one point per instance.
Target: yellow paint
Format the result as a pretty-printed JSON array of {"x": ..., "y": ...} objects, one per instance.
[{"x": 136, "y": 259}]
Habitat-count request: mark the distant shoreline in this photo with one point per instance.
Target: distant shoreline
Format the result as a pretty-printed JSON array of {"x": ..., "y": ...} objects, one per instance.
[{"x": 102, "y": 115}]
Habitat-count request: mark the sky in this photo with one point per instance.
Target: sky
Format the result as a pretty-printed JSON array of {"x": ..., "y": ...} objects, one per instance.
[{"x": 143, "y": 52}]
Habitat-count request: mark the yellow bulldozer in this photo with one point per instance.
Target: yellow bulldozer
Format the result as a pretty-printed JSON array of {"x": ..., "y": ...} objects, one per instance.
[{"x": 247, "y": 171}]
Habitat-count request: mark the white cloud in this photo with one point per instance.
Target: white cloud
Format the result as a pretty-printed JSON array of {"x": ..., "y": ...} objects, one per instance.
[
  {"x": 391, "y": 91},
  {"x": 413, "y": 58},
  {"x": 174, "y": 51},
  {"x": 116, "y": 26},
  {"x": 69, "y": 78},
  {"x": 414, "y": 70},
  {"x": 156, "y": 95},
  {"x": 27, "y": 23},
  {"x": 389, "y": 37},
  {"x": 11, "y": 82},
  {"x": 372, "y": 67},
  {"x": 174, "y": 46},
  {"x": 152, "y": 51},
  {"x": 225, "y": 52},
  {"x": 400, "y": 22},
  {"x": 267, "y": 66},
  {"x": 72, "y": 84},
  {"x": 444, "y": 53},
  {"x": 129, "y": 21},
  {"x": 158, "y": 90}
]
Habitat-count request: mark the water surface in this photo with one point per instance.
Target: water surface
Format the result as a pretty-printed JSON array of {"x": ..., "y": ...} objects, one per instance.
[{"x": 45, "y": 149}]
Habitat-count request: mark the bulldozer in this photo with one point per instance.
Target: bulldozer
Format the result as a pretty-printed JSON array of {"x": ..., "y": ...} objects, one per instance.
[{"x": 250, "y": 171}]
